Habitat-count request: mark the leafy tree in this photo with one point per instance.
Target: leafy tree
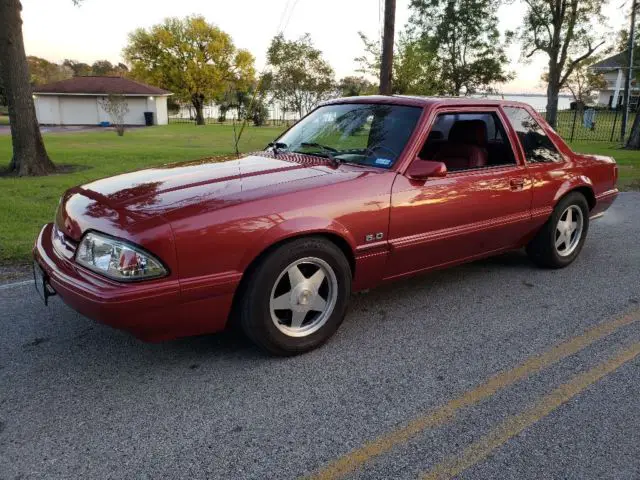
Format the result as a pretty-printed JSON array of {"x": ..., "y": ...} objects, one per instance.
[
  {"x": 42, "y": 71},
  {"x": 415, "y": 65},
  {"x": 29, "y": 154},
  {"x": 79, "y": 69},
  {"x": 465, "y": 36},
  {"x": 355, "y": 86},
  {"x": 299, "y": 77},
  {"x": 102, "y": 68},
  {"x": 190, "y": 57},
  {"x": 583, "y": 84},
  {"x": 563, "y": 31}
]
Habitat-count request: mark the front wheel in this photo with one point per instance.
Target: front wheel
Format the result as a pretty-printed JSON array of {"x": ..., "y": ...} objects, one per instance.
[
  {"x": 560, "y": 240},
  {"x": 296, "y": 297}
]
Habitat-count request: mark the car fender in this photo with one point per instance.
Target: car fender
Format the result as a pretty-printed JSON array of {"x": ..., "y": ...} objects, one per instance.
[
  {"x": 578, "y": 181},
  {"x": 297, "y": 227}
]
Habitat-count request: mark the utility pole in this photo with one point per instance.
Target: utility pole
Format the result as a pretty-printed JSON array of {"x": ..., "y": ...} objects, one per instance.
[
  {"x": 629, "y": 77},
  {"x": 386, "y": 65}
]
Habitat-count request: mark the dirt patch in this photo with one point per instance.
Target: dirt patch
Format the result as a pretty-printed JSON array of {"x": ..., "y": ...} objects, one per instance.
[{"x": 12, "y": 273}]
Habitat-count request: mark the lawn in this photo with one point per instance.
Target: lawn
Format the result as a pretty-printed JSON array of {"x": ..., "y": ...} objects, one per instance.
[
  {"x": 27, "y": 203},
  {"x": 4, "y": 120}
]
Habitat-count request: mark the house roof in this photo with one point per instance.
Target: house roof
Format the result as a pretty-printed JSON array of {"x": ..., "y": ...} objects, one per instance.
[
  {"x": 99, "y": 86},
  {"x": 611, "y": 63}
]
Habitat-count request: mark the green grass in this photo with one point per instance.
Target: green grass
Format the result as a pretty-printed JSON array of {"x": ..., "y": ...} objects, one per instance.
[
  {"x": 4, "y": 120},
  {"x": 607, "y": 125},
  {"x": 27, "y": 203},
  {"x": 628, "y": 160}
]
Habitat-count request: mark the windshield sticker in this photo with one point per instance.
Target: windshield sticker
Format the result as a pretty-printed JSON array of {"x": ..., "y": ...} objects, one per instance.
[{"x": 385, "y": 162}]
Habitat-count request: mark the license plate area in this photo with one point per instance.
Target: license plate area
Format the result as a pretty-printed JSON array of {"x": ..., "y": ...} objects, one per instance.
[{"x": 41, "y": 283}]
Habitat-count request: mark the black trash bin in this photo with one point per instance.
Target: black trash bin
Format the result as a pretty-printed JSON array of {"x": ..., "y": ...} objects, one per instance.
[{"x": 148, "y": 118}]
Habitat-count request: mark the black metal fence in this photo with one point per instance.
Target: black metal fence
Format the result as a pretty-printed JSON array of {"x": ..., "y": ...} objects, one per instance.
[{"x": 592, "y": 124}]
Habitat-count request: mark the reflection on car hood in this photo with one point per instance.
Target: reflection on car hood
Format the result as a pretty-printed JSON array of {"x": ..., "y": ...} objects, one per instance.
[{"x": 157, "y": 190}]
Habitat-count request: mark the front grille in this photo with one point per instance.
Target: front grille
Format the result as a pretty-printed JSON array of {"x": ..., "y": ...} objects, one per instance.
[{"x": 63, "y": 244}]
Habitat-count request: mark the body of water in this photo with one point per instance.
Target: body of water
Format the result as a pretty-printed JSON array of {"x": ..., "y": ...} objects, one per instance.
[{"x": 538, "y": 102}]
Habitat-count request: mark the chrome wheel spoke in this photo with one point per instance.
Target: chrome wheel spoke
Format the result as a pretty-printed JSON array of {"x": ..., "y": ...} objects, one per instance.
[
  {"x": 318, "y": 305},
  {"x": 316, "y": 280},
  {"x": 560, "y": 240},
  {"x": 283, "y": 302},
  {"x": 295, "y": 276},
  {"x": 297, "y": 318}
]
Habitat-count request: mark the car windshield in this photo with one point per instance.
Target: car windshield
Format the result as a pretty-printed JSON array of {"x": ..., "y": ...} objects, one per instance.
[{"x": 371, "y": 134}]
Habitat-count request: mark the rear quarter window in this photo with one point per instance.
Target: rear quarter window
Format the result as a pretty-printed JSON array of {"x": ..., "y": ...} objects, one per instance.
[{"x": 537, "y": 146}]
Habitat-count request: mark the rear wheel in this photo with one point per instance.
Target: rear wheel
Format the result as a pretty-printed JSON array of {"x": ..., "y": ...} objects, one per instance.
[
  {"x": 560, "y": 240},
  {"x": 296, "y": 297}
]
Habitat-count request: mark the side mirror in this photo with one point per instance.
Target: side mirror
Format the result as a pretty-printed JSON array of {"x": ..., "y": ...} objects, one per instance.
[{"x": 423, "y": 169}]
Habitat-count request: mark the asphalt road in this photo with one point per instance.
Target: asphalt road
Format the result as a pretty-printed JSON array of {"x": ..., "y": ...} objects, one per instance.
[{"x": 491, "y": 370}]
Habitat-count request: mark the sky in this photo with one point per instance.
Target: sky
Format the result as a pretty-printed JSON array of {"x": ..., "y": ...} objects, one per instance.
[{"x": 98, "y": 29}]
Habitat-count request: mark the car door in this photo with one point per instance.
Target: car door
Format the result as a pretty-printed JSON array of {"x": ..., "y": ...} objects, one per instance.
[
  {"x": 468, "y": 213},
  {"x": 546, "y": 163}
]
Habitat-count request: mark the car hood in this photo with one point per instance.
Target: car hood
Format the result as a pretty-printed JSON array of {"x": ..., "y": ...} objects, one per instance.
[{"x": 210, "y": 183}]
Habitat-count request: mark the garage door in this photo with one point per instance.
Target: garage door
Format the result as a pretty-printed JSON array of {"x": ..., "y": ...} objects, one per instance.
[{"x": 78, "y": 111}]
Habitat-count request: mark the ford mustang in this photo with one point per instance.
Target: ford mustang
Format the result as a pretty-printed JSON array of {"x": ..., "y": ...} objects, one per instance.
[{"x": 359, "y": 192}]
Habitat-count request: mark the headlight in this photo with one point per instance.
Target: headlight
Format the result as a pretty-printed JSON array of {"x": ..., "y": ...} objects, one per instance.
[{"x": 117, "y": 259}]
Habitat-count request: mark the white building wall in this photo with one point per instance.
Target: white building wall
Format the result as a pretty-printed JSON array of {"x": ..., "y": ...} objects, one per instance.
[
  {"x": 161, "y": 116},
  {"x": 86, "y": 110},
  {"x": 47, "y": 109}
]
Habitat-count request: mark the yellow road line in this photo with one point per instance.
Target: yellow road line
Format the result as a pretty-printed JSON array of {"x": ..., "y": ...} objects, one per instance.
[
  {"x": 356, "y": 458},
  {"x": 515, "y": 425}
]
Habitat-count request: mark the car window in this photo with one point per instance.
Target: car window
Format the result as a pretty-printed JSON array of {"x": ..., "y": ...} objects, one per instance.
[
  {"x": 466, "y": 140},
  {"x": 371, "y": 134},
  {"x": 538, "y": 148}
]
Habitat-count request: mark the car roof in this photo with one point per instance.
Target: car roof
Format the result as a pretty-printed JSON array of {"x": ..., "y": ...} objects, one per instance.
[{"x": 418, "y": 101}]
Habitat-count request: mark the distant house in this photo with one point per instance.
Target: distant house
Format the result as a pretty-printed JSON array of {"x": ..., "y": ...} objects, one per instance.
[
  {"x": 75, "y": 101},
  {"x": 614, "y": 71}
]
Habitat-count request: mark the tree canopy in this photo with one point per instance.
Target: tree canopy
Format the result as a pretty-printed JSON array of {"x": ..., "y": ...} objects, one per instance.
[
  {"x": 298, "y": 77},
  {"x": 563, "y": 31},
  {"x": 192, "y": 58},
  {"x": 463, "y": 36},
  {"x": 415, "y": 65}
]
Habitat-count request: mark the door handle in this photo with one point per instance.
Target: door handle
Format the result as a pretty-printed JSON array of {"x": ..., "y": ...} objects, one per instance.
[{"x": 516, "y": 183}]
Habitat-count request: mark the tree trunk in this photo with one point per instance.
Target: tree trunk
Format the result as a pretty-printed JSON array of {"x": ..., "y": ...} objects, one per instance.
[
  {"x": 552, "y": 105},
  {"x": 634, "y": 136},
  {"x": 198, "y": 103},
  {"x": 29, "y": 154}
]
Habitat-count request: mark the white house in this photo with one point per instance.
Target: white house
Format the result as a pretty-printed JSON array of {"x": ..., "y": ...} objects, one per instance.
[
  {"x": 75, "y": 101},
  {"x": 614, "y": 70}
]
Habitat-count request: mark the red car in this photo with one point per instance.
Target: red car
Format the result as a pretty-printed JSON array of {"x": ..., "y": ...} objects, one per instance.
[{"x": 359, "y": 192}]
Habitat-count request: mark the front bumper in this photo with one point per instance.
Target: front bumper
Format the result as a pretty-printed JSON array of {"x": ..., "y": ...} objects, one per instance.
[{"x": 151, "y": 310}]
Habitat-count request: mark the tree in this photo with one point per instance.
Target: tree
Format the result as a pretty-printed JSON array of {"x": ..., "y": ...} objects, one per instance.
[
  {"x": 465, "y": 35},
  {"x": 29, "y": 154},
  {"x": 299, "y": 76},
  {"x": 79, "y": 69},
  {"x": 355, "y": 86},
  {"x": 582, "y": 83},
  {"x": 194, "y": 59},
  {"x": 42, "y": 71},
  {"x": 563, "y": 31},
  {"x": 415, "y": 65},
  {"x": 116, "y": 107}
]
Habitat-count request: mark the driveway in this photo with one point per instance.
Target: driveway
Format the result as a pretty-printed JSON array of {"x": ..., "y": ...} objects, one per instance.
[{"x": 492, "y": 370}]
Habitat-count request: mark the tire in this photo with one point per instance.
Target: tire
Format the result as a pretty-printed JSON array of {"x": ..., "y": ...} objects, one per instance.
[
  {"x": 554, "y": 246},
  {"x": 301, "y": 274}
]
